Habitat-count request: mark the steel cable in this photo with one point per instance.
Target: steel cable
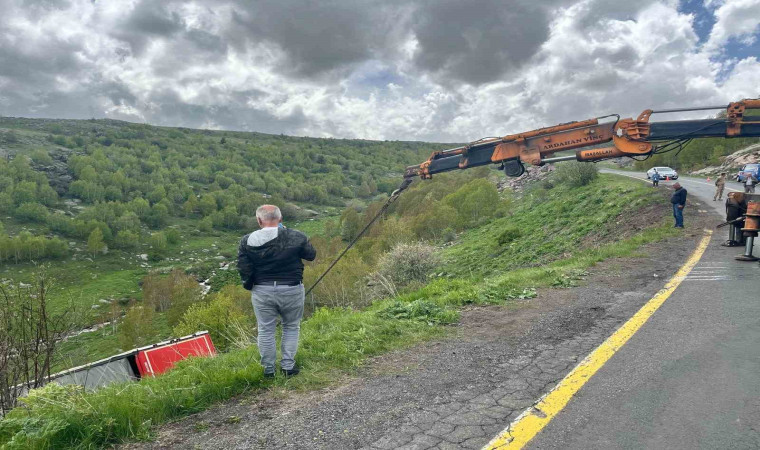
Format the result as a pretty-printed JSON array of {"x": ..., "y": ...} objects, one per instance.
[{"x": 382, "y": 210}]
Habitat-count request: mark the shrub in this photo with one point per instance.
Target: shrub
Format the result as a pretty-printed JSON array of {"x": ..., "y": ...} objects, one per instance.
[
  {"x": 343, "y": 286},
  {"x": 419, "y": 310},
  {"x": 158, "y": 246},
  {"x": 433, "y": 223},
  {"x": 40, "y": 156},
  {"x": 174, "y": 294},
  {"x": 137, "y": 328},
  {"x": 126, "y": 239},
  {"x": 576, "y": 174},
  {"x": 509, "y": 235},
  {"x": 408, "y": 263},
  {"x": 95, "y": 242},
  {"x": 33, "y": 212},
  {"x": 474, "y": 202},
  {"x": 206, "y": 225},
  {"x": 224, "y": 319},
  {"x": 172, "y": 236}
]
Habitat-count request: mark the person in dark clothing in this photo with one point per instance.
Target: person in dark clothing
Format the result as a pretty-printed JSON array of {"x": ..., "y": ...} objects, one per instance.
[
  {"x": 271, "y": 267},
  {"x": 679, "y": 203},
  {"x": 655, "y": 178}
]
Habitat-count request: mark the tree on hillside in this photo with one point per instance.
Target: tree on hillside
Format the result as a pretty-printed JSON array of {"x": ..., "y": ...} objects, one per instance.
[
  {"x": 95, "y": 243},
  {"x": 29, "y": 337},
  {"x": 350, "y": 224},
  {"x": 137, "y": 327},
  {"x": 158, "y": 246}
]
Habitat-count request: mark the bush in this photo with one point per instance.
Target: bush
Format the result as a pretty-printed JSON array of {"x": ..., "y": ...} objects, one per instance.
[
  {"x": 137, "y": 328},
  {"x": 158, "y": 246},
  {"x": 224, "y": 319},
  {"x": 126, "y": 240},
  {"x": 172, "y": 236},
  {"x": 173, "y": 294},
  {"x": 408, "y": 263},
  {"x": 40, "y": 156},
  {"x": 419, "y": 310},
  {"x": 433, "y": 223},
  {"x": 509, "y": 235},
  {"x": 475, "y": 202},
  {"x": 33, "y": 212},
  {"x": 576, "y": 174}
]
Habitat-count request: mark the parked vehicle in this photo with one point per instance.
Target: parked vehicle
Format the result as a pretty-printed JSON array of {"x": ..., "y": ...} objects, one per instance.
[
  {"x": 665, "y": 172},
  {"x": 746, "y": 169}
]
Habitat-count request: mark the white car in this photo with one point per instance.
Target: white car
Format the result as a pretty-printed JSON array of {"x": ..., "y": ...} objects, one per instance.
[{"x": 665, "y": 172}]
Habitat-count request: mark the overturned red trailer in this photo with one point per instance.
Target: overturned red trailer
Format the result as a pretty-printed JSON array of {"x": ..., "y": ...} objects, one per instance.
[{"x": 137, "y": 363}]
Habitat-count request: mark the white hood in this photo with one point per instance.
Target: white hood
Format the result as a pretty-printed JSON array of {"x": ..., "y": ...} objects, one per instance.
[{"x": 262, "y": 236}]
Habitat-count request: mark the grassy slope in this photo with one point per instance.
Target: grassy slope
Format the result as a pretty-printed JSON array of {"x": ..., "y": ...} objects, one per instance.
[
  {"x": 337, "y": 340},
  {"x": 549, "y": 225}
]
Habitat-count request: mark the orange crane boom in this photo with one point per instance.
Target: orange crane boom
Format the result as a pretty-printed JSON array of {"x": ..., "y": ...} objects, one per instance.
[{"x": 630, "y": 137}]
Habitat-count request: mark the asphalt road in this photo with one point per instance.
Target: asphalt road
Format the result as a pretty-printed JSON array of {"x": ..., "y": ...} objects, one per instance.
[
  {"x": 696, "y": 187},
  {"x": 690, "y": 377}
]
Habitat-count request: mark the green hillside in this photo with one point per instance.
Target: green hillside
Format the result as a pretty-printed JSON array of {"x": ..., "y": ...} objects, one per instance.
[{"x": 100, "y": 204}]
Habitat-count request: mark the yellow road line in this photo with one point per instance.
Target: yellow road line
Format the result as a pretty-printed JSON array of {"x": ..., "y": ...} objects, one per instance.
[{"x": 535, "y": 418}]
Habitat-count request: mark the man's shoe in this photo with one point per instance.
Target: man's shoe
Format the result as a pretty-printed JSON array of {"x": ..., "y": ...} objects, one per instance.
[
  {"x": 291, "y": 372},
  {"x": 268, "y": 374}
]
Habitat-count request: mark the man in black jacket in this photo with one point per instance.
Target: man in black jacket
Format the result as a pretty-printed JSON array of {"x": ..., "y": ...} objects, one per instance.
[
  {"x": 678, "y": 199},
  {"x": 271, "y": 267}
]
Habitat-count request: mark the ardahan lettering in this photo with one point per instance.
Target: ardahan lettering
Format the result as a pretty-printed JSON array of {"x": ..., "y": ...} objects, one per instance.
[{"x": 570, "y": 142}]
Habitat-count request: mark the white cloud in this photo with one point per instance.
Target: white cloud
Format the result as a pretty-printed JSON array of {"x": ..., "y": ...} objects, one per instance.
[
  {"x": 201, "y": 64},
  {"x": 738, "y": 19}
]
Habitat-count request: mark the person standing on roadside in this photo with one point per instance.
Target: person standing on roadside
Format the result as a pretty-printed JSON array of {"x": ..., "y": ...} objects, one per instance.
[
  {"x": 749, "y": 183},
  {"x": 271, "y": 267},
  {"x": 720, "y": 184},
  {"x": 655, "y": 178},
  {"x": 678, "y": 199}
]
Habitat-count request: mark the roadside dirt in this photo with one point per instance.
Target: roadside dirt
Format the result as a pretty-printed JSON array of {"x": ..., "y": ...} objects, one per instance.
[{"x": 459, "y": 391}]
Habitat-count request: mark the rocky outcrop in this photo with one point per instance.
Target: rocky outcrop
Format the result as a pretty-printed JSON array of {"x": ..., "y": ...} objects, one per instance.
[
  {"x": 57, "y": 172},
  {"x": 733, "y": 162},
  {"x": 532, "y": 174}
]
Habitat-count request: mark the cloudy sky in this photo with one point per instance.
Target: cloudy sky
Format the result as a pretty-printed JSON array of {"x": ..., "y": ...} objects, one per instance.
[{"x": 437, "y": 70}]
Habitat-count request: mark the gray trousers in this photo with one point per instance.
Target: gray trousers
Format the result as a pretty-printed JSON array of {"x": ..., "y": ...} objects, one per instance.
[{"x": 269, "y": 303}]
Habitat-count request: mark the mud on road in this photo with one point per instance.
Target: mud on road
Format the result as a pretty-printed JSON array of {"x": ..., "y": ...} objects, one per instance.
[{"x": 459, "y": 391}]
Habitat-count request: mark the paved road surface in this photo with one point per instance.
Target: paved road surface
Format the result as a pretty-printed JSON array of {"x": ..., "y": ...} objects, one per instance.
[
  {"x": 690, "y": 378},
  {"x": 696, "y": 187}
]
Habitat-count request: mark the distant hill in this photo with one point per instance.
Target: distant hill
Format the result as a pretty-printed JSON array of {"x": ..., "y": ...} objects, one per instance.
[{"x": 320, "y": 171}]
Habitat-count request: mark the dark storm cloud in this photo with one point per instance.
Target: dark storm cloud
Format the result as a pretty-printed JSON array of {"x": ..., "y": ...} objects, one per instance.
[
  {"x": 475, "y": 41},
  {"x": 479, "y": 41},
  {"x": 147, "y": 21},
  {"x": 316, "y": 37}
]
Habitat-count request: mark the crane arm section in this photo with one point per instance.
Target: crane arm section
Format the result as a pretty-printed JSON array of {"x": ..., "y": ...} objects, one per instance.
[{"x": 629, "y": 137}]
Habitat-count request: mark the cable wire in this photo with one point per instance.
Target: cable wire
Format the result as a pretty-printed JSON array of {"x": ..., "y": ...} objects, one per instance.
[{"x": 382, "y": 210}]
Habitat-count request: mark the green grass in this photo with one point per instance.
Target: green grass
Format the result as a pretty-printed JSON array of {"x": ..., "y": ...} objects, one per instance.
[
  {"x": 335, "y": 341},
  {"x": 546, "y": 226},
  {"x": 521, "y": 283}
]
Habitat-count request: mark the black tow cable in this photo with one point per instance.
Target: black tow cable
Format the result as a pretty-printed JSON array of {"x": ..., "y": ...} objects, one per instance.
[{"x": 391, "y": 199}]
